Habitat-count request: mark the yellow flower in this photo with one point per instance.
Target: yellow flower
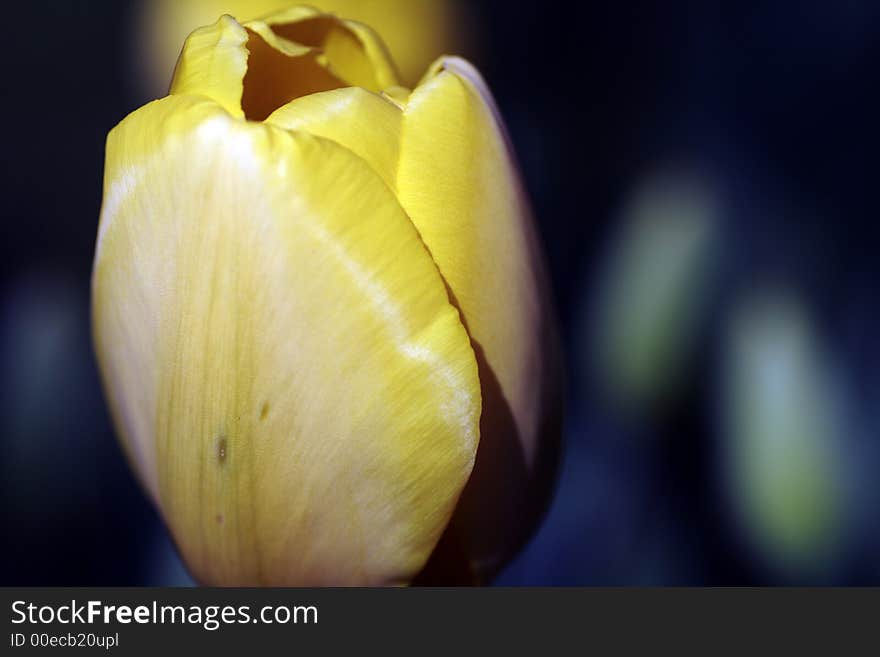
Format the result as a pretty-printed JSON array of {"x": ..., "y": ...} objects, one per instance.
[
  {"x": 416, "y": 31},
  {"x": 315, "y": 293}
]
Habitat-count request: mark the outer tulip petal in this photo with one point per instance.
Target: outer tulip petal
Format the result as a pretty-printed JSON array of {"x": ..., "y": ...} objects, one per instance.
[
  {"x": 366, "y": 123},
  {"x": 313, "y": 395},
  {"x": 458, "y": 182}
]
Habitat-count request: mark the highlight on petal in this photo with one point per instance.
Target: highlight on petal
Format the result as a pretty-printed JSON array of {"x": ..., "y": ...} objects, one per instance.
[
  {"x": 232, "y": 297},
  {"x": 458, "y": 182}
]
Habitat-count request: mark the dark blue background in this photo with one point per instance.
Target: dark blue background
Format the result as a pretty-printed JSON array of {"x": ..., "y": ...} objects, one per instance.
[{"x": 775, "y": 102}]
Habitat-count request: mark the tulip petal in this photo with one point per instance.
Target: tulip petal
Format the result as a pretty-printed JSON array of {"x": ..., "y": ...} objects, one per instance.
[
  {"x": 279, "y": 71},
  {"x": 353, "y": 49},
  {"x": 458, "y": 182},
  {"x": 366, "y": 123},
  {"x": 213, "y": 63},
  {"x": 250, "y": 71},
  {"x": 255, "y": 68},
  {"x": 266, "y": 310}
]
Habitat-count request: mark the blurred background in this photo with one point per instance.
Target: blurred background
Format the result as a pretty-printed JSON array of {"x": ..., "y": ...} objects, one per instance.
[{"x": 702, "y": 179}]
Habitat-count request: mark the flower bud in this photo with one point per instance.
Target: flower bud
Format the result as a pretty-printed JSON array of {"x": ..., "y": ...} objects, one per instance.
[
  {"x": 317, "y": 303},
  {"x": 416, "y": 31}
]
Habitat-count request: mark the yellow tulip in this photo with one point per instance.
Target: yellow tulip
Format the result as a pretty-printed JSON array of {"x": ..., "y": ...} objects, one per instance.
[
  {"x": 315, "y": 295},
  {"x": 416, "y": 31}
]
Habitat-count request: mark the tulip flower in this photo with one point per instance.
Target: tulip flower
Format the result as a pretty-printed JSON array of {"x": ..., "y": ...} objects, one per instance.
[
  {"x": 416, "y": 31},
  {"x": 321, "y": 315}
]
